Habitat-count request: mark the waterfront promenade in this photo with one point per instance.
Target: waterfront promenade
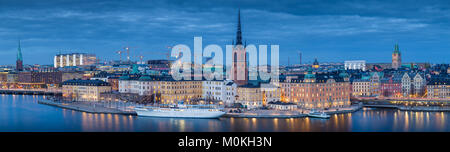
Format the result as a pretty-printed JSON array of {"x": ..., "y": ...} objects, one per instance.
[
  {"x": 289, "y": 114},
  {"x": 94, "y": 107}
]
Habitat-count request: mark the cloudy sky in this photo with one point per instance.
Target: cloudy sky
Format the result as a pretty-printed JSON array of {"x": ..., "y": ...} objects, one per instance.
[{"x": 331, "y": 31}]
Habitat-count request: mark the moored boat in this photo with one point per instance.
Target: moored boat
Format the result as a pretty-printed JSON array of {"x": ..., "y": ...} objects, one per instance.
[
  {"x": 181, "y": 111},
  {"x": 317, "y": 114}
]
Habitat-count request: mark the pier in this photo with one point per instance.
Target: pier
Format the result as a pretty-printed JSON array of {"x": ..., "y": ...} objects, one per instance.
[
  {"x": 91, "y": 107},
  {"x": 414, "y": 105}
]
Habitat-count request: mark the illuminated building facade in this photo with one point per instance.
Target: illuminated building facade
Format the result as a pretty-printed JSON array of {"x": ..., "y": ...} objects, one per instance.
[
  {"x": 361, "y": 88},
  {"x": 439, "y": 87},
  {"x": 317, "y": 90},
  {"x": 84, "y": 90}
]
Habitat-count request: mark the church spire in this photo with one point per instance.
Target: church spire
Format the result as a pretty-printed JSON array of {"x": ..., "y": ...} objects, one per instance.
[
  {"x": 239, "y": 32},
  {"x": 396, "y": 49},
  {"x": 19, "y": 53}
]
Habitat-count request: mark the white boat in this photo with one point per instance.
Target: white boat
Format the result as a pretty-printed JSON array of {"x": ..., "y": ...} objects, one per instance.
[
  {"x": 181, "y": 111},
  {"x": 317, "y": 114}
]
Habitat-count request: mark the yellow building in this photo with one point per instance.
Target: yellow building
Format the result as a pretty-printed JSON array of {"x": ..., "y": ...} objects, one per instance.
[
  {"x": 317, "y": 91},
  {"x": 250, "y": 96},
  {"x": 170, "y": 91},
  {"x": 84, "y": 90}
]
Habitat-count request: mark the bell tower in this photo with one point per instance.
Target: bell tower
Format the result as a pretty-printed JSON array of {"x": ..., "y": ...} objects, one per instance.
[{"x": 239, "y": 69}]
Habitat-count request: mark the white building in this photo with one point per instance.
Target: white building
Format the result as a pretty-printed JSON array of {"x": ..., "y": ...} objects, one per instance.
[
  {"x": 355, "y": 65},
  {"x": 229, "y": 97},
  {"x": 213, "y": 90},
  {"x": 224, "y": 91},
  {"x": 73, "y": 59}
]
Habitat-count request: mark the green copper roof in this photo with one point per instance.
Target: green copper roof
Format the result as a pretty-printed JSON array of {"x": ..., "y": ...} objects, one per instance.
[
  {"x": 19, "y": 53},
  {"x": 135, "y": 69},
  {"x": 145, "y": 78},
  {"x": 396, "y": 49},
  {"x": 310, "y": 75}
]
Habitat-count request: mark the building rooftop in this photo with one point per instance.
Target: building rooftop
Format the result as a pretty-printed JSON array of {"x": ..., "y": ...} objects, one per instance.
[{"x": 85, "y": 82}]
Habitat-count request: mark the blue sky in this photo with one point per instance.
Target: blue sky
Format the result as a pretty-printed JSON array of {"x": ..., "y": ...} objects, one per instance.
[{"x": 331, "y": 31}]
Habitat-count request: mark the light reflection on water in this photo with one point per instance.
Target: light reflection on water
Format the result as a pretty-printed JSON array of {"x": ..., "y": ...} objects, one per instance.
[{"x": 23, "y": 113}]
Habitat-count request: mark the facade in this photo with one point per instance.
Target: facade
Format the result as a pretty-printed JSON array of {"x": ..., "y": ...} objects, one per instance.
[
  {"x": 84, "y": 90},
  {"x": 391, "y": 87},
  {"x": 439, "y": 87},
  {"x": 213, "y": 90},
  {"x": 250, "y": 96},
  {"x": 165, "y": 89},
  {"x": 375, "y": 83},
  {"x": 313, "y": 91},
  {"x": 355, "y": 65},
  {"x": 361, "y": 88},
  {"x": 413, "y": 85},
  {"x": 396, "y": 58},
  {"x": 74, "y": 59},
  {"x": 406, "y": 84},
  {"x": 230, "y": 95}
]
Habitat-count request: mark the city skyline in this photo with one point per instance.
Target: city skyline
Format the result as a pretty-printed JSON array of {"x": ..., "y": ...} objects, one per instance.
[{"x": 105, "y": 27}]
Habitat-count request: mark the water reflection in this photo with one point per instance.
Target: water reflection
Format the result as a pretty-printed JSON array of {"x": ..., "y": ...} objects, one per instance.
[{"x": 23, "y": 113}]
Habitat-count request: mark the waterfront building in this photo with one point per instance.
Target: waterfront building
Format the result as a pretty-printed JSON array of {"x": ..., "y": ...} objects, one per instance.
[
  {"x": 250, "y": 96},
  {"x": 213, "y": 90},
  {"x": 439, "y": 87},
  {"x": 317, "y": 90},
  {"x": 239, "y": 58},
  {"x": 84, "y": 90},
  {"x": 12, "y": 77},
  {"x": 172, "y": 91},
  {"x": 375, "y": 83},
  {"x": 413, "y": 84},
  {"x": 19, "y": 60},
  {"x": 165, "y": 89},
  {"x": 406, "y": 84},
  {"x": 230, "y": 95},
  {"x": 3, "y": 77},
  {"x": 74, "y": 59},
  {"x": 355, "y": 65},
  {"x": 39, "y": 79},
  {"x": 396, "y": 58},
  {"x": 361, "y": 88},
  {"x": 391, "y": 86}
]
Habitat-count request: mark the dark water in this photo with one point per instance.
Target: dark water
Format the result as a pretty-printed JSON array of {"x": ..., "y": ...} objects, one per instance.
[{"x": 23, "y": 113}]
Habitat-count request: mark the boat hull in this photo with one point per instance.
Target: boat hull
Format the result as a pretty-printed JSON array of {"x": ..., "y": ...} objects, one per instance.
[
  {"x": 319, "y": 116},
  {"x": 180, "y": 114}
]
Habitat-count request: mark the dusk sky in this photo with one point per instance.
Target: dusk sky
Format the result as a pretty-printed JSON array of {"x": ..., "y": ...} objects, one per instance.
[{"x": 330, "y": 31}]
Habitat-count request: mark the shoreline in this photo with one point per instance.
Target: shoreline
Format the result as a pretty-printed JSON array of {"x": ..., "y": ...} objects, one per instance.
[
  {"x": 287, "y": 114},
  {"x": 93, "y": 107}
]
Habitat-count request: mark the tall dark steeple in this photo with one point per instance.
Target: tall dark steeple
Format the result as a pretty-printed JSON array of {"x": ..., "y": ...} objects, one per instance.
[{"x": 239, "y": 32}]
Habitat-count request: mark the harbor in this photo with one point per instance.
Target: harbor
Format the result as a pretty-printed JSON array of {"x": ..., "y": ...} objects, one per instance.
[{"x": 45, "y": 118}]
